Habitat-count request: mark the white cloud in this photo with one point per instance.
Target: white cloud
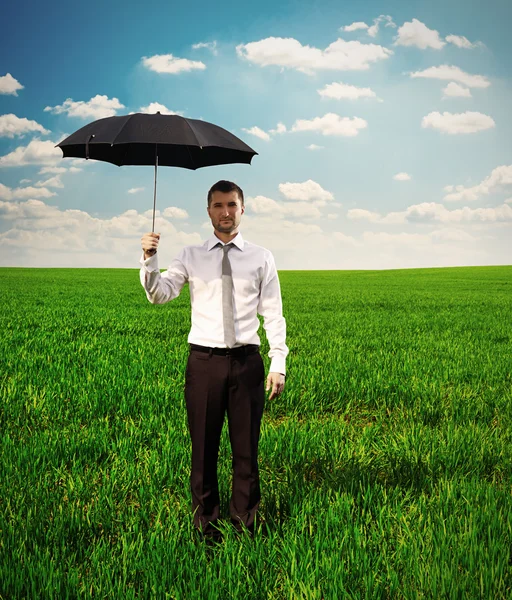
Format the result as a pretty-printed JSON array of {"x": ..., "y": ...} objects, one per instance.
[
  {"x": 78, "y": 161},
  {"x": 301, "y": 210},
  {"x": 11, "y": 125},
  {"x": 418, "y": 239},
  {"x": 431, "y": 212},
  {"x": 499, "y": 177},
  {"x": 360, "y": 214},
  {"x": 331, "y": 124},
  {"x": 332, "y": 216},
  {"x": 454, "y": 90},
  {"x": 339, "y": 90},
  {"x": 345, "y": 249},
  {"x": 402, "y": 177},
  {"x": 155, "y": 107},
  {"x": 56, "y": 170},
  {"x": 346, "y": 239},
  {"x": 97, "y": 107},
  {"x": 263, "y": 135},
  {"x": 374, "y": 29},
  {"x": 211, "y": 46},
  {"x": 305, "y": 191},
  {"x": 22, "y": 181},
  {"x": 314, "y": 147},
  {"x": 135, "y": 190},
  {"x": 468, "y": 122},
  {"x": 461, "y": 42},
  {"x": 40, "y": 231},
  {"x": 355, "y": 26},
  {"x": 451, "y": 234},
  {"x": 167, "y": 63},
  {"x": 393, "y": 218},
  {"x": 280, "y": 128},
  {"x": 261, "y": 205},
  {"x": 300, "y": 228},
  {"x": 290, "y": 53},
  {"x": 36, "y": 152},
  {"x": 173, "y": 212},
  {"x": 8, "y": 193},
  {"x": 450, "y": 72},
  {"x": 402, "y": 239},
  {"x": 31, "y": 210},
  {"x": 415, "y": 33},
  {"x": 52, "y": 182},
  {"x": 9, "y": 85},
  {"x": 46, "y": 236}
]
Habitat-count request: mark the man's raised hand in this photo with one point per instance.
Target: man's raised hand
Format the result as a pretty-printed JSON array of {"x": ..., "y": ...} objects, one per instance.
[{"x": 149, "y": 243}]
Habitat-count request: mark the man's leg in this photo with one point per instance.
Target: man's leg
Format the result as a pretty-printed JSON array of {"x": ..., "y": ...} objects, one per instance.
[
  {"x": 246, "y": 402},
  {"x": 205, "y": 396}
]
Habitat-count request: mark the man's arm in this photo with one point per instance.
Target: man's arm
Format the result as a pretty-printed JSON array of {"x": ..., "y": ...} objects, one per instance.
[
  {"x": 271, "y": 309},
  {"x": 160, "y": 287}
]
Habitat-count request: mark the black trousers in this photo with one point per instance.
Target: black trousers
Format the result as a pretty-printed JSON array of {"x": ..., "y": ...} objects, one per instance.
[{"x": 216, "y": 385}]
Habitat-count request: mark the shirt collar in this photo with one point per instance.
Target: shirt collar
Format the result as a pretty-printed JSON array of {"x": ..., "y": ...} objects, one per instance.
[{"x": 213, "y": 240}]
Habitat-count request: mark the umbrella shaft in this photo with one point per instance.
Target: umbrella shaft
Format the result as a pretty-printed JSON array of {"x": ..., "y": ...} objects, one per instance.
[{"x": 154, "y": 192}]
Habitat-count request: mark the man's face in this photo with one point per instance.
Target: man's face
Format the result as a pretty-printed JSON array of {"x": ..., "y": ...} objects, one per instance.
[{"x": 225, "y": 212}]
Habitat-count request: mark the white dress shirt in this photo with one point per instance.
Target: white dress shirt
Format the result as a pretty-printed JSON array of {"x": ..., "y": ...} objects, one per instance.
[{"x": 255, "y": 287}]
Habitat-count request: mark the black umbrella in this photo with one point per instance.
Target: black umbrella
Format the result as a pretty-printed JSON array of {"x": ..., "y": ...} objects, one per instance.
[{"x": 156, "y": 139}]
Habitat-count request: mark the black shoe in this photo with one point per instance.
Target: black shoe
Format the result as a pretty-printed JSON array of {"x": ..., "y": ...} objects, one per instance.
[
  {"x": 211, "y": 535},
  {"x": 241, "y": 529},
  {"x": 212, "y": 539}
]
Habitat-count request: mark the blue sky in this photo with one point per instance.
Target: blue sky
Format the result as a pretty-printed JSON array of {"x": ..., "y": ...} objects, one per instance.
[{"x": 383, "y": 129}]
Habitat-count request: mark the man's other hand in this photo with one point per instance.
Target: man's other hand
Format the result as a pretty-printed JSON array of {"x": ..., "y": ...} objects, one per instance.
[
  {"x": 276, "y": 382},
  {"x": 149, "y": 243}
]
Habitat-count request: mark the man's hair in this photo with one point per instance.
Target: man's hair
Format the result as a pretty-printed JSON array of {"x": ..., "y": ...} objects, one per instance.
[{"x": 225, "y": 187}]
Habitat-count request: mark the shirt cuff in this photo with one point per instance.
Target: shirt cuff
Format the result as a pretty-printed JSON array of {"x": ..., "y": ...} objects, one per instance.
[
  {"x": 278, "y": 365},
  {"x": 149, "y": 264}
]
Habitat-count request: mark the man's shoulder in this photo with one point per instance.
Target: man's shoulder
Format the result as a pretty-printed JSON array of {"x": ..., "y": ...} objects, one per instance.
[
  {"x": 256, "y": 248},
  {"x": 192, "y": 248}
]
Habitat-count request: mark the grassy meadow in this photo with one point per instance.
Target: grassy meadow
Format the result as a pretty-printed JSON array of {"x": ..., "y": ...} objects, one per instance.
[{"x": 386, "y": 465}]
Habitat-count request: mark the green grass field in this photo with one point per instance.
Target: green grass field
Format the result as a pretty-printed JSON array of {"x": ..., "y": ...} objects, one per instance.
[{"x": 386, "y": 466}]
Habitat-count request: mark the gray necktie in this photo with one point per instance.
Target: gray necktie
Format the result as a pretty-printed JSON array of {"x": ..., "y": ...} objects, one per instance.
[{"x": 227, "y": 299}]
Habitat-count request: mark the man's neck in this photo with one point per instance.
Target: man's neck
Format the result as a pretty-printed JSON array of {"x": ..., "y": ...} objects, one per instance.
[{"x": 225, "y": 237}]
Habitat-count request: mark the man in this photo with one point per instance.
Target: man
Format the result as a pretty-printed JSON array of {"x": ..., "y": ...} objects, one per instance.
[{"x": 230, "y": 282}]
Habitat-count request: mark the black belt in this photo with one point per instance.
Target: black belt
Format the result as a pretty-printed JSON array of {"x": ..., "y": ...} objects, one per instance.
[{"x": 239, "y": 351}]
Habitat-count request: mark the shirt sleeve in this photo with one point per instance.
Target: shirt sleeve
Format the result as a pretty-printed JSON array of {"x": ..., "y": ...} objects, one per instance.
[
  {"x": 162, "y": 287},
  {"x": 271, "y": 309}
]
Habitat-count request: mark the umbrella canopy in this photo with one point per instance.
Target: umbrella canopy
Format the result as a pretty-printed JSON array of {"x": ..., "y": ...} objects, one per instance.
[
  {"x": 156, "y": 139},
  {"x": 139, "y": 138}
]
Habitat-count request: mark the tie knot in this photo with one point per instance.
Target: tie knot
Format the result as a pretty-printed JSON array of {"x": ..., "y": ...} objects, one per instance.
[{"x": 226, "y": 248}]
